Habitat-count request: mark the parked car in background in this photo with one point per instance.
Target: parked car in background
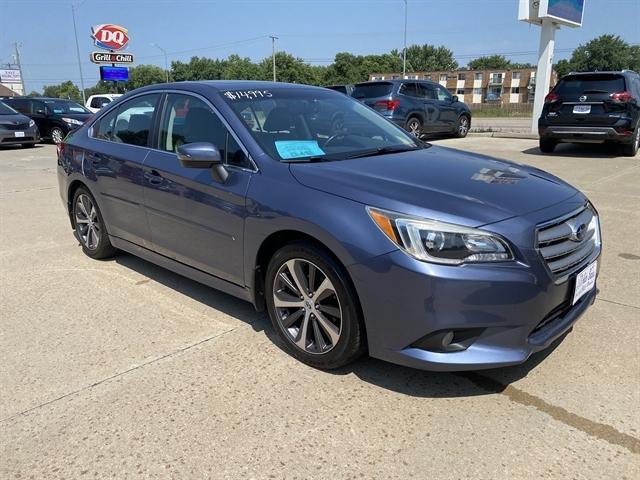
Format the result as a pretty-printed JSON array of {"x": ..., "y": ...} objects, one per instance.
[
  {"x": 96, "y": 102},
  {"x": 593, "y": 107},
  {"x": 347, "y": 89},
  {"x": 55, "y": 117},
  {"x": 420, "y": 107},
  {"x": 16, "y": 128},
  {"x": 367, "y": 239}
]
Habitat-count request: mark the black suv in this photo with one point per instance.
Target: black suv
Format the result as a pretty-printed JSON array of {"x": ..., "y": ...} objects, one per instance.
[
  {"x": 55, "y": 117},
  {"x": 593, "y": 107},
  {"x": 418, "y": 106}
]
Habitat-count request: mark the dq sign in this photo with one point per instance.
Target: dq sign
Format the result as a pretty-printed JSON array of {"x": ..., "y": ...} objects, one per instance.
[{"x": 110, "y": 37}]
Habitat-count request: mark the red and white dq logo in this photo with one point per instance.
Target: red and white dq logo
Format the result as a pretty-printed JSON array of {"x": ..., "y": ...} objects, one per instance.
[{"x": 110, "y": 37}]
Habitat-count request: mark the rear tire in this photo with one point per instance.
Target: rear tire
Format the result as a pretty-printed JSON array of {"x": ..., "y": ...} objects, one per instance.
[
  {"x": 414, "y": 127},
  {"x": 631, "y": 149},
  {"x": 90, "y": 227},
  {"x": 313, "y": 307},
  {"x": 547, "y": 146}
]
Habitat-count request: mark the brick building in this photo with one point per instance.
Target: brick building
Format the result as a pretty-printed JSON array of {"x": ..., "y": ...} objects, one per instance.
[{"x": 493, "y": 86}]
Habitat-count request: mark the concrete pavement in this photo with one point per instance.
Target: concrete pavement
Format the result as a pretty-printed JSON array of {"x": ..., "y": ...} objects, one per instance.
[{"x": 121, "y": 369}]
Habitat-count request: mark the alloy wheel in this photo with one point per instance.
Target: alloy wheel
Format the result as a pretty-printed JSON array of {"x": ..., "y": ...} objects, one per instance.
[
  {"x": 87, "y": 222},
  {"x": 57, "y": 136},
  {"x": 414, "y": 128},
  {"x": 307, "y": 306},
  {"x": 463, "y": 126}
]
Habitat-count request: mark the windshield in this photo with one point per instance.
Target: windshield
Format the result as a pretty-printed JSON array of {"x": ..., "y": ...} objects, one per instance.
[
  {"x": 6, "y": 109},
  {"x": 305, "y": 124},
  {"x": 65, "y": 106},
  {"x": 599, "y": 83}
]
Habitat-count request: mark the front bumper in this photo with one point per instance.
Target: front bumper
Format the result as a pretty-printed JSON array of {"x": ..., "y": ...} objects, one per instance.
[
  {"x": 517, "y": 309},
  {"x": 8, "y": 137}
]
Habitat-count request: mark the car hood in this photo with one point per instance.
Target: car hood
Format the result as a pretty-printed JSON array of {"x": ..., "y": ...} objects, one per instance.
[
  {"x": 13, "y": 119},
  {"x": 437, "y": 182}
]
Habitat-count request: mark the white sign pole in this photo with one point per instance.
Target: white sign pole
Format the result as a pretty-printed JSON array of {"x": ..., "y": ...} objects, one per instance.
[{"x": 545, "y": 67}]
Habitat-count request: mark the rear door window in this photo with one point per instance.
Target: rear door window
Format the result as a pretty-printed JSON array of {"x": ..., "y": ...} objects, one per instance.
[
  {"x": 372, "y": 90},
  {"x": 134, "y": 120},
  {"x": 579, "y": 84},
  {"x": 408, "y": 89}
]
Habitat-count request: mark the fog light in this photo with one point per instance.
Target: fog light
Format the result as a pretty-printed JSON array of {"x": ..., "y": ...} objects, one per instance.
[{"x": 447, "y": 341}]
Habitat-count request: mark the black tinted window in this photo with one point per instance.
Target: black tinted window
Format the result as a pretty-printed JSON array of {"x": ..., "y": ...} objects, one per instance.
[
  {"x": 6, "y": 109},
  {"x": 105, "y": 126},
  {"x": 408, "y": 89},
  {"x": 339, "y": 88},
  {"x": 579, "y": 84},
  {"x": 21, "y": 106},
  {"x": 188, "y": 119},
  {"x": 99, "y": 102},
  {"x": 371, "y": 90},
  {"x": 134, "y": 119},
  {"x": 426, "y": 91}
]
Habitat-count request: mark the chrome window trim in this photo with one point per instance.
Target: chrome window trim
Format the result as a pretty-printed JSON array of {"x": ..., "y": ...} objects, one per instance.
[{"x": 161, "y": 107}]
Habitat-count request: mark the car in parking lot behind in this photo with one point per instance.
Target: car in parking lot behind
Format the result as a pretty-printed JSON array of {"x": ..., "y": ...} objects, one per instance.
[
  {"x": 360, "y": 239},
  {"x": 593, "y": 107},
  {"x": 55, "y": 117},
  {"x": 16, "y": 128},
  {"x": 347, "y": 88},
  {"x": 420, "y": 107},
  {"x": 96, "y": 102}
]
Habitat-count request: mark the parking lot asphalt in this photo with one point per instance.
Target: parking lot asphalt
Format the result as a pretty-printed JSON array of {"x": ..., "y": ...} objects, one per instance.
[{"x": 121, "y": 369}]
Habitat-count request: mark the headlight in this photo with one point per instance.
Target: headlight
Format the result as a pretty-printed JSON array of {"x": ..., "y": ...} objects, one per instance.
[
  {"x": 71, "y": 121},
  {"x": 439, "y": 242},
  {"x": 31, "y": 123}
]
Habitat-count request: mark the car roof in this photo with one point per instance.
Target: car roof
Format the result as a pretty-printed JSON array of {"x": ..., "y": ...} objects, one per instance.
[
  {"x": 223, "y": 85},
  {"x": 603, "y": 72},
  {"x": 398, "y": 80}
]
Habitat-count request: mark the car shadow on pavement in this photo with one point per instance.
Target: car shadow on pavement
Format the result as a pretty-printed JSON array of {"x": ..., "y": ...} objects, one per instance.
[
  {"x": 404, "y": 380},
  {"x": 20, "y": 147},
  {"x": 578, "y": 150}
]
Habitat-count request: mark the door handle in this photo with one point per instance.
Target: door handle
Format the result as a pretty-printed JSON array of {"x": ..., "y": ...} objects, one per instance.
[{"x": 153, "y": 177}]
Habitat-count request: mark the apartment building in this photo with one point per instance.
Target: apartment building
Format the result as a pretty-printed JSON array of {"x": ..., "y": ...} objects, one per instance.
[{"x": 494, "y": 86}]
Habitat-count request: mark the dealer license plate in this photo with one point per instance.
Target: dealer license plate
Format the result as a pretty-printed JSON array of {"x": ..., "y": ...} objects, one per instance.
[
  {"x": 585, "y": 282},
  {"x": 582, "y": 109}
]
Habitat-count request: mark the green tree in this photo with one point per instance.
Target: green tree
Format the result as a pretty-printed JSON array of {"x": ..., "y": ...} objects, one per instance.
[
  {"x": 607, "y": 52},
  {"x": 100, "y": 87},
  {"x": 142, "y": 75},
  {"x": 33, "y": 93},
  {"x": 288, "y": 69},
  {"x": 490, "y": 62},
  {"x": 66, "y": 90},
  {"x": 198, "y": 68},
  {"x": 427, "y": 57},
  {"x": 237, "y": 68}
]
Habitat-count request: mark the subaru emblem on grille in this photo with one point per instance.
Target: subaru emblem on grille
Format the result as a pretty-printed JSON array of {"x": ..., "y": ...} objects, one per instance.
[
  {"x": 578, "y": 232},
  {"x": 583, "y": 98}
]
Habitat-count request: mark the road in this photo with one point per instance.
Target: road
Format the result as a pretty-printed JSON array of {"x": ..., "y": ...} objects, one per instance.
[
  {"x": 121, "y": 369},
  {"x": 501, "y": 124}
]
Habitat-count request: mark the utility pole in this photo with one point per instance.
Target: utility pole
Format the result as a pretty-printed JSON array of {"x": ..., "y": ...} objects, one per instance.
[
  {"x": 17, "y": 55},
  {"x": 75, "y": 31},
  {"x": 273, "y": 54},
  {"x": 404, "y": 50},
  {"x": 545, "y": 68},
  {"x": 166, "y": 63}
]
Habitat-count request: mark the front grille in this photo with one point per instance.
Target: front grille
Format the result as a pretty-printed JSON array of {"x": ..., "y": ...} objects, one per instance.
[
  {"x": 13, "y": 126},
  {"x": 567, "y": 243}
]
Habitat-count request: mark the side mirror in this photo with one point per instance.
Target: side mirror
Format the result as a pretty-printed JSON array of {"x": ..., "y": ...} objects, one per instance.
[
  {"x": 454, "y": 99},
  {"x": 41, "y": 112},
  {"x": 203, "y": 155}
]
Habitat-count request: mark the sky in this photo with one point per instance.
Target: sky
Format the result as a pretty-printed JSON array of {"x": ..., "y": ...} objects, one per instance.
[{"x": 314, "y": 30}]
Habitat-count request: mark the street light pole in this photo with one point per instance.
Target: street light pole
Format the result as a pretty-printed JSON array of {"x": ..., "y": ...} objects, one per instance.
[
  {"x": 404, "y": 50},
  {"x": 17, "y": 60},
  {"x": 75, "y": 32},
  {"x": 273, "y": 55},
  {"x": 166, "y": 63}
]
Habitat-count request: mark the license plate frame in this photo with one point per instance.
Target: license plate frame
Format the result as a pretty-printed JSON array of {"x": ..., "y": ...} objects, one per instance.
[
  {"x": 18, "y": 134},
  {"x": 582, "y": 109},
  {"x": 585, "y": 281}
]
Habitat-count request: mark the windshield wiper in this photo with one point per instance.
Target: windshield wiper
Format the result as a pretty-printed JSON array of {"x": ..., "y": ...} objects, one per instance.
[
  {"x": 307, "y": 160},
  {"x": 382, "y": 151}
]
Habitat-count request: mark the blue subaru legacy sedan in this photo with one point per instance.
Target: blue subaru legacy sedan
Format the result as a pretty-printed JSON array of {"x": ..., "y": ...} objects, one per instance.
[{"x": 354, "y": 236}]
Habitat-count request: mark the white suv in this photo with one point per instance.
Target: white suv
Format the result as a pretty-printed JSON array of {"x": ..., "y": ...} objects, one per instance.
[{"x": 96, "y": 102}]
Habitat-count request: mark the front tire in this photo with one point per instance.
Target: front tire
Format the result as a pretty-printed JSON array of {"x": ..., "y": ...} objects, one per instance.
[
  {"x": 462, "y": 127},
  {"x": 547, "y": 146},
  {"x": 57, "y": 135},
  {"x": 313, "y": 307},
  {"x": 90, "y": 227}
]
